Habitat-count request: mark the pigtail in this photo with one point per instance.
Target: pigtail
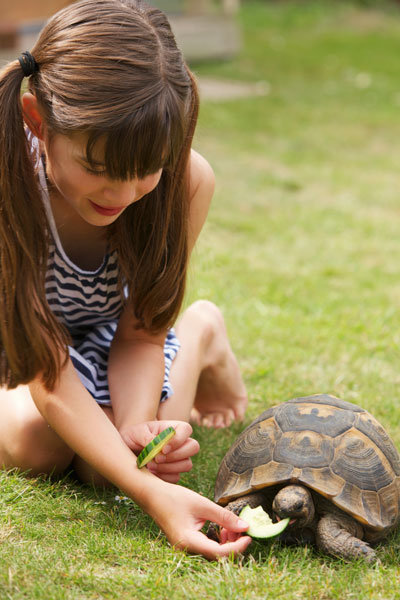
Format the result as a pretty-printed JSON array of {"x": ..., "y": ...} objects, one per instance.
[{"x": 30, "y": 337}]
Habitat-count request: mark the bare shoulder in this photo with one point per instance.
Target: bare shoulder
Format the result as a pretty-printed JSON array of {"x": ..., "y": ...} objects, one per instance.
[
  {"x": 201, "y": 175},
  {"x": 201, "y": 189}
]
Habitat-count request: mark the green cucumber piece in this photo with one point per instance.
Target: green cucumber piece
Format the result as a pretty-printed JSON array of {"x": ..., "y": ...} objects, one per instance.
[
  {"x": 155, "y": 446},
  {"x": 260, "y": 523}
]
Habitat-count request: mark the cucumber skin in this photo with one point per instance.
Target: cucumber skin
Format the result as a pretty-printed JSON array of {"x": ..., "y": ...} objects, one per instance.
[
  {"x": 269, "y": 531},
  {"x": 141, "y": 459}
]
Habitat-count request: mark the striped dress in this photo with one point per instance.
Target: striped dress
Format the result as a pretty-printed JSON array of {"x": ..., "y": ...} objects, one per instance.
[{"x": 89, "y": 304}]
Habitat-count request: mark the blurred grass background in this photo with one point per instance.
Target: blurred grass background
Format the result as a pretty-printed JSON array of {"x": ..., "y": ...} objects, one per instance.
[
  {"x": 302, "y": 240},
  {"x": 301, "y": 251}
]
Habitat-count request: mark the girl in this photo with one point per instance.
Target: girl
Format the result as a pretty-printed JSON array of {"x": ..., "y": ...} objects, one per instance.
[{"x": 101, "y": 202}]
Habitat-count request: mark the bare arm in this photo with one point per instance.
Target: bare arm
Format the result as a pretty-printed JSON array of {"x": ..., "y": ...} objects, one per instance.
[
  {"x": 135, "y": 373},
  {"x": 202, "y": 184}
]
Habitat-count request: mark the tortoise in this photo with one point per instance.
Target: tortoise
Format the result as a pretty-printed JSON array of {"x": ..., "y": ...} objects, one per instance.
[{"x": 325, "y": 463}]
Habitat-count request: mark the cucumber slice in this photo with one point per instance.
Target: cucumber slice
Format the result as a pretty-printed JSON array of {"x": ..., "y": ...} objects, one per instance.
[
  {"x": 155, "y": 446},
  {"x": 260, "y": 524}
]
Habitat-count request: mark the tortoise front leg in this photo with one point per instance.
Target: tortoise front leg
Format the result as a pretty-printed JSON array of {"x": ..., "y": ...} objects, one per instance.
[
  {"x": 340, "y": 535},
  {"x": 253, "y": 500}
]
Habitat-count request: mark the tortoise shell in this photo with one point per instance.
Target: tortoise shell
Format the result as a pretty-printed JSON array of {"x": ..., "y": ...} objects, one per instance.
[{"x": 333, "y": 447}]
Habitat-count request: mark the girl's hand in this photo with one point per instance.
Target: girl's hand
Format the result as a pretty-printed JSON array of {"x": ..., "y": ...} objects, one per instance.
[
  {"x": 174, "y": 458},
  {"x": 181, "y": 513}
]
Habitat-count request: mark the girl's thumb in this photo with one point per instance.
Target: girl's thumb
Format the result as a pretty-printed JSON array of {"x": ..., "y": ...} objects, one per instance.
[{"x": 227, "y": 519}]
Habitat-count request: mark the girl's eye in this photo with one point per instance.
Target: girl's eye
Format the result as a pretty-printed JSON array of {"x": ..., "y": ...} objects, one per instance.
[{"x": 93, "y": 172}]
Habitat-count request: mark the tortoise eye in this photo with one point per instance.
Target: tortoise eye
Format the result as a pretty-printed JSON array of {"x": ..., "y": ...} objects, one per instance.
[{"x": 298, "y": 505}]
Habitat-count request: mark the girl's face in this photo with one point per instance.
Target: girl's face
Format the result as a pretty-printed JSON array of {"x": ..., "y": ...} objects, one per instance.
[{"x": 95, "y": 197}]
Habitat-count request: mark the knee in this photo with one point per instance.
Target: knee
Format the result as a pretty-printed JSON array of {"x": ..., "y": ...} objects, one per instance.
[
  {"x": 33, "y": 449},
  {"x": 212, "y": 335},
  {"x": 210, "y": 320}
]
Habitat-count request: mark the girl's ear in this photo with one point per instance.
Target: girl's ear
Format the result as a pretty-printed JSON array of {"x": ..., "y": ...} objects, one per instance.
[{"x": 32, "y": 116}]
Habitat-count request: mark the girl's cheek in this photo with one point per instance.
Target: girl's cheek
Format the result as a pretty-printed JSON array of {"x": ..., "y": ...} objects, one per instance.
[{"x": 150, "y": 182}]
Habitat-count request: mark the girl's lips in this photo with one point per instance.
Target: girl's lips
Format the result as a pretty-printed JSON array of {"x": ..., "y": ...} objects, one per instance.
[{"x": 108, "y": 212}]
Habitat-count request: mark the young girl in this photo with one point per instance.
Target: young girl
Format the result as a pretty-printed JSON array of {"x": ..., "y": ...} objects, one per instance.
[{"x": 101, "y": 202}]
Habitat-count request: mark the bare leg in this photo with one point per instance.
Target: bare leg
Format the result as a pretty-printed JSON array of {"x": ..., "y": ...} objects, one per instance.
[
  {"x": 208, "y": 387},
  {"x": 27, "y": 441}
]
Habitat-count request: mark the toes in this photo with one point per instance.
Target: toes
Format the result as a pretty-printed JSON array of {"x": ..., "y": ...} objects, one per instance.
[
  {"x": 217, "y": 420},
  {"x": 206, "y": 421},
  {"x": 230, "y": 417},
  {"x": 212, "y": 420},
  {"x": 240, "y": 410},
  {"x": 195, "y": 417}
]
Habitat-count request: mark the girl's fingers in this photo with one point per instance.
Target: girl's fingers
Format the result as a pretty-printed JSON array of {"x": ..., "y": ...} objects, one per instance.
[
  {"x": 188, "y": 449},
  {"x": 182, "y": 466},
  {"x": 138, "y": 436},
  {"x": 199, "y": 543},
  {"x": 225, "y": 518},
  {"x": 229, "y": 536},
  {"x": 182, "y": 432},
  {"x": 169, "y": 478}
]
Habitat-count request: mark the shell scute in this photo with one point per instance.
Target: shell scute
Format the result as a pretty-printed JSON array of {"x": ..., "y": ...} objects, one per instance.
[
  {"x": 372, "y": 509},
  {"x": 374, "y": 431},
  {"x": 304, "y": 449},
  {"x": 231, "y": 485},
  {"x": 255, "y": 448},
  {"x": 389, "y": 500},
  {"x": 323, "y": 481},
  {"x": 361, "y": 463},
  {"x": 251, "y": 450},
  {"x": 328, "y": 400},
  {"x": 266, "y": 475},
  {"x": 350, "y": 500},
  {"x": 321, "y": 418}
]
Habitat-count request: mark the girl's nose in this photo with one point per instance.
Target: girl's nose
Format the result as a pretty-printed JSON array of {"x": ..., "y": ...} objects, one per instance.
[{"x": 120, "y": 193}]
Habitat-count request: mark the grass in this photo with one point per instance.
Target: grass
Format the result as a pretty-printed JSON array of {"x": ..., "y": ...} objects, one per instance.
[{"x": 302, "y": 252}]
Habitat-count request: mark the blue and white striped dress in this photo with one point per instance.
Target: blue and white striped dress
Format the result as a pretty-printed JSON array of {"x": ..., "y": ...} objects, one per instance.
[{"x": 89, "y": 304}]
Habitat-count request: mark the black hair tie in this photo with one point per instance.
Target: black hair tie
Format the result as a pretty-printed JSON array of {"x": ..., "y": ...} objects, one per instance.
[{"x": 28, "y": 64}]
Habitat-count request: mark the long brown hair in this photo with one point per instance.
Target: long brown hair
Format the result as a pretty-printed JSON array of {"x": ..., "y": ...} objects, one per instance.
[{"x": 110, "y": 69}]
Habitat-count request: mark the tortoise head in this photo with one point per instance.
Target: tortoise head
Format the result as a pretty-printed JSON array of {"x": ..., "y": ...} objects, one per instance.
[{"x": 295, "y": 502}]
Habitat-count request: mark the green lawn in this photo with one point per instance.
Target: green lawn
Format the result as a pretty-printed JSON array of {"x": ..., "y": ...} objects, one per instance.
[{"x": 302, "y": 252}]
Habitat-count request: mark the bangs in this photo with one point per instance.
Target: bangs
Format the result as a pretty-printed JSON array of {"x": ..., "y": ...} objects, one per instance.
[{"x": 149, "y": 139}]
